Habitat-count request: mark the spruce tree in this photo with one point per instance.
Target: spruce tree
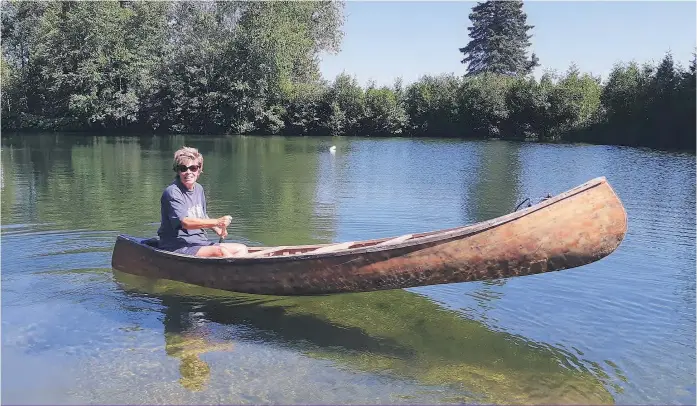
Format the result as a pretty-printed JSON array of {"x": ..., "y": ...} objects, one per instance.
[{"x": 499, "y": 39}]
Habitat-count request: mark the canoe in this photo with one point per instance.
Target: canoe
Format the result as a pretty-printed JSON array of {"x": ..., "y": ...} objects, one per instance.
[{"x": 572, "y": 229}]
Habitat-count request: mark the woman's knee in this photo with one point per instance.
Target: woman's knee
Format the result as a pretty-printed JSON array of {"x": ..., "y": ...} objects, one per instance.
[
  {"x": 222, "y": 250},
  {"x": 235, "y": 248},
  {"x": 211, "y": 251}
]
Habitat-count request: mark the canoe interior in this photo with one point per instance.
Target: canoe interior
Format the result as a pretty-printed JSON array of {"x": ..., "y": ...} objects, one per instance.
[
  {"x": 282, "y": 251},
  {"x": 338, "y": 247}
]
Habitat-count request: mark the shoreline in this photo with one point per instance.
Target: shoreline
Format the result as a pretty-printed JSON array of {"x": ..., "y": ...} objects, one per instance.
[{"x": 144, "y": 134}]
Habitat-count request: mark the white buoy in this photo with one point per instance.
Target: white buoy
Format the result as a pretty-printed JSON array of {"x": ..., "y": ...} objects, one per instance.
[{"x": 332, "y": 149}]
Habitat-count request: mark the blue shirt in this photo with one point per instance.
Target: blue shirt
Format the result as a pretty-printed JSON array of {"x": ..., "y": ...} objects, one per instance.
[{"x": 176, "y": 203}]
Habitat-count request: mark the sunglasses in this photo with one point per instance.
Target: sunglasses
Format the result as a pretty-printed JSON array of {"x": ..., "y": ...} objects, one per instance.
[{"x": 192, "y": 168}]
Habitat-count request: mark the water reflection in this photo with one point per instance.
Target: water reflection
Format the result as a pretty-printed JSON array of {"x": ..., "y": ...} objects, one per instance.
[
  {"x": 495, "y": 190},
  {"x": 395, "y": 332},
  {"x": 115, "y": 183},
  {"x": 186, "y": 339},
  {"x": 67, "y": 196}
]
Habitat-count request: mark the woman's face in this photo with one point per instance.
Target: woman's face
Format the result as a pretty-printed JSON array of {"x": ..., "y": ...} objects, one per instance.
[{"x": 189, "y": 172}]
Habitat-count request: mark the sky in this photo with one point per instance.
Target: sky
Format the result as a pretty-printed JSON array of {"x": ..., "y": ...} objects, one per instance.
[{"x": 384, "y": 40}]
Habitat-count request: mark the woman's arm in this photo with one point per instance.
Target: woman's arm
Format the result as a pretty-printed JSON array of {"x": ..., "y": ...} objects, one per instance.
[{"x": 189, "y": 223}]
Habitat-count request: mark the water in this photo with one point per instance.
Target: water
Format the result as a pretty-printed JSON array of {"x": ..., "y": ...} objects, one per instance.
[{"x": 621, "y": 330}]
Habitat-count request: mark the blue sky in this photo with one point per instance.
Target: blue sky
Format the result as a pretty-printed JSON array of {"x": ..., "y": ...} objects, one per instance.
[{"x": 388, "y": 39}]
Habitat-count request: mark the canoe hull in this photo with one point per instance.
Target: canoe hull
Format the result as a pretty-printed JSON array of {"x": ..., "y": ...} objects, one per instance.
[{"x": 570, "y": 230}]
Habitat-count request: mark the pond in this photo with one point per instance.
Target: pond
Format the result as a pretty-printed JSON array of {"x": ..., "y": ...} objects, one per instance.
[{"x": 621, "y": 330}]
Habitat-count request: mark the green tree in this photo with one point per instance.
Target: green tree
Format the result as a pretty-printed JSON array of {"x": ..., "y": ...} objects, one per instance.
[
  {"x": 685, "y": 137},
  {"x": 482, "y": 105},
  {"x": 234, "y": 65},
  {"x": 347, "y": 100},
  {"x": 252, "y": 67},
  {"x": 661, "y": 92},
  {"x": 574, "y": 101},
  {"x": 288, "y": 36},
  {"x": 432, "y": 106},
  {"x": 529, "y": 108},
  {"x": 623, "y": 100},
  {"x": 81, "y": 64},
  {"x": 21, "y": 92},
  {"x": 499, "y": 39},
  {"x": 304, "y": 109},
  {"x": 384, "y": 114}
]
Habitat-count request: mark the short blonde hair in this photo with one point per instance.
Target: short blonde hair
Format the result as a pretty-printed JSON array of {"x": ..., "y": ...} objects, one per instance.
[{"x": 187, "y": 153}]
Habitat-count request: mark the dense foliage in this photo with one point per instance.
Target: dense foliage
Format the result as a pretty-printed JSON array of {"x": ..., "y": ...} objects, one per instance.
[{"x": 252, "y": 68}]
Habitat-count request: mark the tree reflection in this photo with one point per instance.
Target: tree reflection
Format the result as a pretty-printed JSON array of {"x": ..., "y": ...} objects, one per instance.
[
  {"x": 494, "y": 191},
  {"x": 115, "y": 183}
]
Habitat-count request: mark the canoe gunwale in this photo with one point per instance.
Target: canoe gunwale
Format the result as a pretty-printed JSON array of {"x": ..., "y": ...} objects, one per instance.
[{"x": 431, "y": 238}]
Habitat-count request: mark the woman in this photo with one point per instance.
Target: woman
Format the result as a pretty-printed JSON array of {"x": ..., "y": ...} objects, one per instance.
[{"x": 184, "y": 216}]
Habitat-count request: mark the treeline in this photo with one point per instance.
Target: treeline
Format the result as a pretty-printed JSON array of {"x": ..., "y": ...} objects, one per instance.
[{"x": 252, "y": 68}]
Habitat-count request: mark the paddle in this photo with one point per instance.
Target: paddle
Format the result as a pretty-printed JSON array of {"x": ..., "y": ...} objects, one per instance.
[{"x": 220, "y": 241}]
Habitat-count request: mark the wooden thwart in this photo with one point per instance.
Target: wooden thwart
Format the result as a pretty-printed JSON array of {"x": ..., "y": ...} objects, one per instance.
[
  {"x": 395, "y": 240},
  {"x": 332, "y": 248},
  {"x": 264, "y": 252}
]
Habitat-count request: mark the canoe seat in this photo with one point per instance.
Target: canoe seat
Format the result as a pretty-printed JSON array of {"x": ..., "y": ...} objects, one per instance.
[
  {"x": 395, "y": 240},
  {"x": 264, "y": 252},
  {"x": 152, "y": 242},
  {"x": 332, "y": 248}
]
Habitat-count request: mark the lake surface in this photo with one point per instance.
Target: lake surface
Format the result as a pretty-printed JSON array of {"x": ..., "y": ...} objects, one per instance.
[{"x": 621, "y": 330}]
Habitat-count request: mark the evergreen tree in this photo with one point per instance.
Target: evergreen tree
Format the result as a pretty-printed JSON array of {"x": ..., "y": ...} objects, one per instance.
[{"x": 499, "y": 39}]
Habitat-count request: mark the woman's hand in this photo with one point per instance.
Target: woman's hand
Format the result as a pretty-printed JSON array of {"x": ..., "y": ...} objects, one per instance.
[
  {"x": 221, "y": 231},
  {"x": 223, "y": 222}
]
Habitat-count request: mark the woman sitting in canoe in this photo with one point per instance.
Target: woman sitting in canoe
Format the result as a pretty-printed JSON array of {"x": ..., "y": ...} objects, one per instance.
[{"x": 184, "y": 216}]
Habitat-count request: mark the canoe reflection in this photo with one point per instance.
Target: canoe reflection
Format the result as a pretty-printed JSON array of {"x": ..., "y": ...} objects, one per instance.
[{"x": 395, "y": 332}]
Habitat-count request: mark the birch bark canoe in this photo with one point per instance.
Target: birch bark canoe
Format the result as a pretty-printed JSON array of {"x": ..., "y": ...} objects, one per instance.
[{"x": 572, "y": 229}]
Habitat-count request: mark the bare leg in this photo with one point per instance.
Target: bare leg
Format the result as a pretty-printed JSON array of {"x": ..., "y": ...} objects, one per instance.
[
  {"x": 213, "y": 251},
  {"x": 235, "y": 249},
  {"x": 223, "y": 250}
]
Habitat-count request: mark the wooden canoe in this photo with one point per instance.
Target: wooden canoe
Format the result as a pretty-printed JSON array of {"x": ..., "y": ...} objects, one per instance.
[{"x": 572, "y": 229}]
